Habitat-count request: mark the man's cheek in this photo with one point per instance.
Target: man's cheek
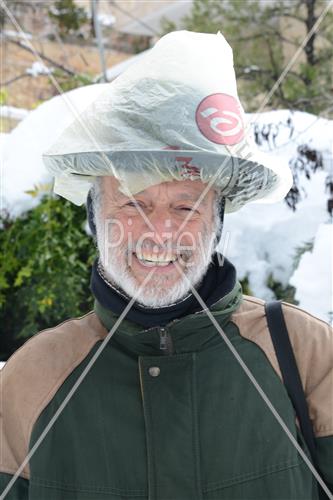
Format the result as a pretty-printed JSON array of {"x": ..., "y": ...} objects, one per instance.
[{"x": 113, "y": 233}]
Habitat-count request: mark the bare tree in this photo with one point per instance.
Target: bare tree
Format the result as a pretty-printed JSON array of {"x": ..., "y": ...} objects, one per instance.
[{"x": 261, "y": 33}]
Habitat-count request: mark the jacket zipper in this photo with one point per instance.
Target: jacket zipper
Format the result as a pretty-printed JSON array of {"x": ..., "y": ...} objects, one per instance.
[{"x": 165, "y": 341}]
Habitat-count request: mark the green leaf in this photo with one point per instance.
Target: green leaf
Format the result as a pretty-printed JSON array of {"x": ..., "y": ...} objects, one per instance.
[{"x": 25, "y": 272}]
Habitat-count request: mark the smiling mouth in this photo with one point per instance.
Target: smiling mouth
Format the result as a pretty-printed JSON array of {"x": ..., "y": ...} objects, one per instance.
[{"x": 152, "y": 260}]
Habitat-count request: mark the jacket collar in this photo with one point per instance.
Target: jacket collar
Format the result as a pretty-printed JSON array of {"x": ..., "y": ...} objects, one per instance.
[
  {"x": 190, "y": 333},
  {"x": 218, "y": 281}
]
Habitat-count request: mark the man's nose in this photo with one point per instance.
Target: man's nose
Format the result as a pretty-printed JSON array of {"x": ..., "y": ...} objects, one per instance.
[{"x": 161, "y": 225}]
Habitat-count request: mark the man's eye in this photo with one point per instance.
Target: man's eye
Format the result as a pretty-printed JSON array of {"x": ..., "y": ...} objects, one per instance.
[
  {"x": 134, "y": 204},
  {"x": 188, "y": 209}
]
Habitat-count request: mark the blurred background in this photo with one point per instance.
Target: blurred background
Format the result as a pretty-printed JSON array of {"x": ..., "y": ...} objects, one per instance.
[{"x": 58, "y": 52}]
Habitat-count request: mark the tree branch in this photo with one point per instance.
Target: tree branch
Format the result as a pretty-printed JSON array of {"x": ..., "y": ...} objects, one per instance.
[
  {"x": 42, "y": 56},
  {"x": 261, "y": 71},
  {"x": 282, "y": 13},
  {"x": 263, "y": 35},
  {"x": 24, "y": 75}
]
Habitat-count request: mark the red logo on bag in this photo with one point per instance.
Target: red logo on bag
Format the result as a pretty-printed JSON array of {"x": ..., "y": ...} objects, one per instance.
[
  {"x": 187, "y": 170},
  {"x": 219, "y": 119}
]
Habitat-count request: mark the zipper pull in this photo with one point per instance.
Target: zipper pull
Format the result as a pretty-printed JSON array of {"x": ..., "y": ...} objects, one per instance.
[{"x": 163, "y": 339}]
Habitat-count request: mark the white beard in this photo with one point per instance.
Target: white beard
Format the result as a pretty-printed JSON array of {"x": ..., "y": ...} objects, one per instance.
[{"x": 158, "y": 292}]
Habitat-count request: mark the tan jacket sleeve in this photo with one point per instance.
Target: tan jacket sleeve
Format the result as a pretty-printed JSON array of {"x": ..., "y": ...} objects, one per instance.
[
  {"x": 312, "y": 342},
  {"x": 31, "y": 377}
]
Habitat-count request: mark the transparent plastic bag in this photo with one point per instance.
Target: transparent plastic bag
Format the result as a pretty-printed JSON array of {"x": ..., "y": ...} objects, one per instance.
[{"x": 173, "y": 115}]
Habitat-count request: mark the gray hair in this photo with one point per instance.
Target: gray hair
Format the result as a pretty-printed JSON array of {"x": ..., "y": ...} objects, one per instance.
[{"x": 96, "y": 193}]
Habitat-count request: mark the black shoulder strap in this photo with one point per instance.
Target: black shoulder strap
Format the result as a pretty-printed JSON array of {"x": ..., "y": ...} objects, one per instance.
[{"x": 289, "y": 370}]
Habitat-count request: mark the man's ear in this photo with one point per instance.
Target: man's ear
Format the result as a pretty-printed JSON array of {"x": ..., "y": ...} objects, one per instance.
[{"x": 90, "y": 215}]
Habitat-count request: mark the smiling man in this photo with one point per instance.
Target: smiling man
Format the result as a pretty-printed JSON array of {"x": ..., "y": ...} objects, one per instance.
[
  {"x": 147, "y": 232},
  {"x": 172, "y": 387}
]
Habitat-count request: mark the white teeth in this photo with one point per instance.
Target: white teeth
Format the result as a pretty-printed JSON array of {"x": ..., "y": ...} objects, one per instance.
[{"x": 159, "y": 261}]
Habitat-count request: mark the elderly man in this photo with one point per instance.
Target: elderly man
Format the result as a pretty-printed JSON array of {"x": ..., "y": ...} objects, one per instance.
[{"x": 171, "y": 388}]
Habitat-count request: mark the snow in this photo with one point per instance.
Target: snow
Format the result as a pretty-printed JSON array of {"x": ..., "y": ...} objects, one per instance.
[
  {"x": 106, "y": 20},
  {"x": 2, "y": 364},
  {"x": 248, "y": 69},
  {"x": 38, "y": 68},
  {"x": 313, "y": 277},
  {"x": 117, "y": 69},
  {"x": 308, "y": 128},
  {"x": 259, "y": 239},
  {"x": 58, "y": 12},
  {"x": 263, "y": 239},
  {"x": 17, "y": 34},
  {"x": 21, "y": 151},
  {"x": 13, "y": 112}
]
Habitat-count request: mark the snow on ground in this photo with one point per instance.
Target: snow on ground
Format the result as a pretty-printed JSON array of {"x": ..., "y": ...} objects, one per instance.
[
  {"x": 263, "y": 238},
  {"x": 307, "y": 128},
  {"x": 313, "y": 277},
  {"x": 258, "y": 239},
  {"x": 13, "y": 112},
  {"x": 119, "y": 68},
  {"x": 3, "y": 138},
  {"x": 21, "y": 152}
]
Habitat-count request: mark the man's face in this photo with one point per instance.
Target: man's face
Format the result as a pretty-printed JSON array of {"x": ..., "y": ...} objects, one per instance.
[{"x": 158, "y": 229}]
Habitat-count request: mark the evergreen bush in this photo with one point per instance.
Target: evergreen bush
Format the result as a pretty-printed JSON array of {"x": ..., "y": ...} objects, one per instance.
[{"x": 44, "y": 270}]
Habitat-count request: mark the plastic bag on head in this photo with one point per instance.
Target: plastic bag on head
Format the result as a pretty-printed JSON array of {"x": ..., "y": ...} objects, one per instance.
[{"x": 174, "y": 115}]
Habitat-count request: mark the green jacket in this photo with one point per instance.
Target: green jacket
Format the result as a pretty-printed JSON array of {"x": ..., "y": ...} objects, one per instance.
[{"x": 165, "y": 414}]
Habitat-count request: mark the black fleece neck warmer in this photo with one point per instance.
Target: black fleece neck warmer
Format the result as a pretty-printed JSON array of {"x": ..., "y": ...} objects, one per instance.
[{"x": 218, "y": 281}]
